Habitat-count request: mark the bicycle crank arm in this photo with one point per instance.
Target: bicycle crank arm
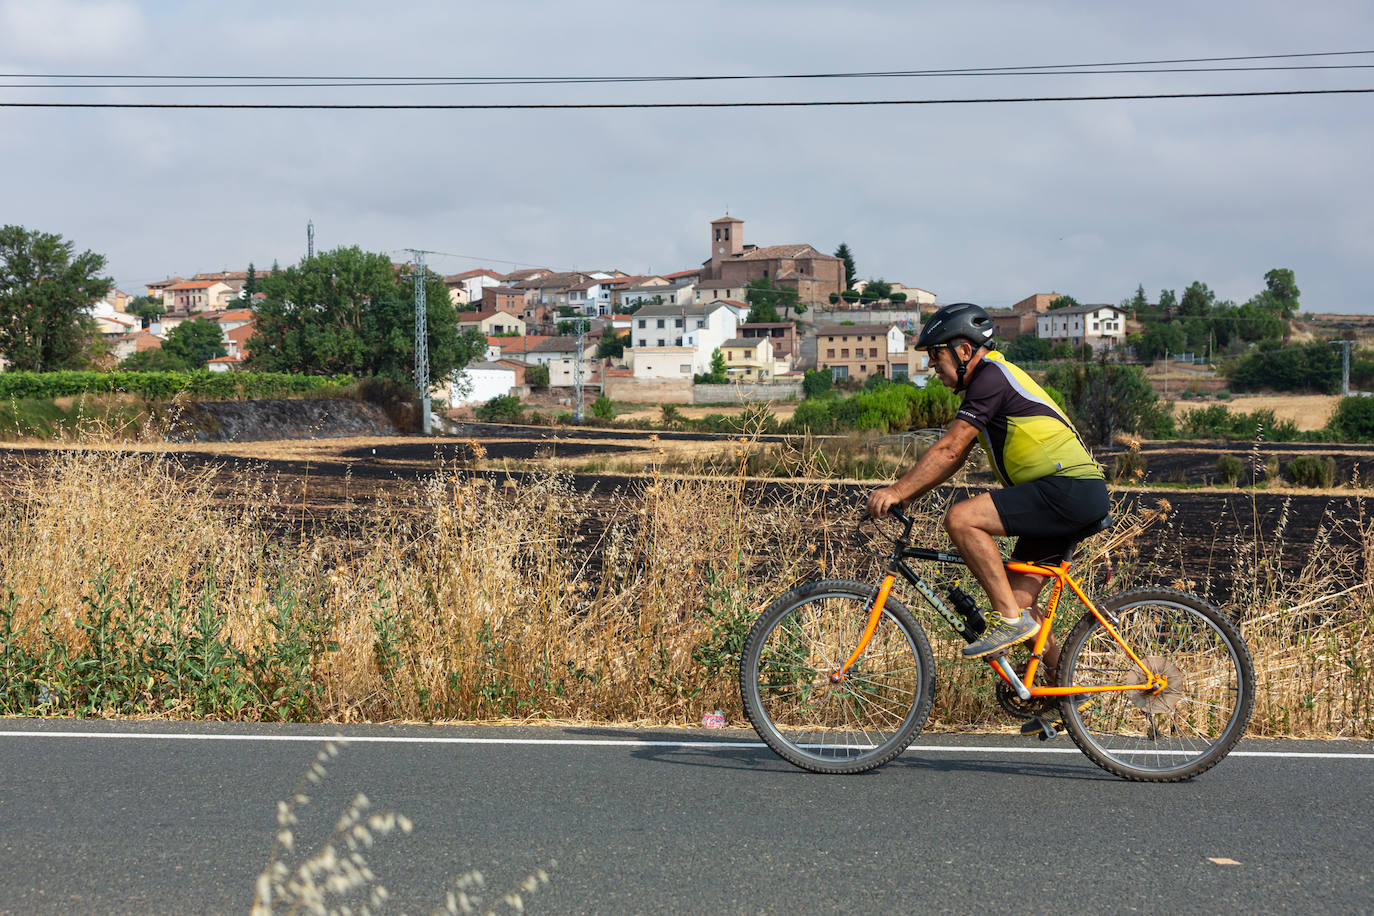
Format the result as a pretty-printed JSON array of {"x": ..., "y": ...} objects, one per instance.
[{"x": 1009, "y": 675}]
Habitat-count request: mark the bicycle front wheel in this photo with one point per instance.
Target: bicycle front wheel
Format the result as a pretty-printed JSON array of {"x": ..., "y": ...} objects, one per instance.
[
  {"x": 858, "y": 723},
  {"x": 1177, "y": 732}
]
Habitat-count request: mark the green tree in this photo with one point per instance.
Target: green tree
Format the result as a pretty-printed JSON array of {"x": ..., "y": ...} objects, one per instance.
[
  {"x": 537, "y": 376},
  {"x": 45, "y": 292},
  {"x": 152, "y": 361},
  {"x": 1027, "y": 348},
  {"x": 767, "y": 300},
  {"x": 1064, "y": 301},
  {"x": 876, "y": 289},
  {"x": 818, "y": 384},
  {"x": 1314, "y": 366},
  {"x": 612, "y": 345},
  {"x": 146, "y": 309},
  {"x": 1105, "y": 398},
  {"x": 1167, "y": 300},
  {"x": 847, "y": 256},
  {"x": 347, "y": 311},
  {"x": 1283, "y": 290},
  {"x": 1197, "y": 301},
  {"x": 718, "y": 374},
  {"x": 1353, "y": 420},
  {"x": 1137, "y": 303},
  {"x": 1160, "y": 339},
  {"x": 193, "y": 343},
  {"x": 250, "y": 283}
]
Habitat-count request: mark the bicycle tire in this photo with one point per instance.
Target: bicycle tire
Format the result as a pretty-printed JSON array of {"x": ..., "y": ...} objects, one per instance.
[
  {"x": 871, "y": 716},
  {"x": 1192, "y": 724}
]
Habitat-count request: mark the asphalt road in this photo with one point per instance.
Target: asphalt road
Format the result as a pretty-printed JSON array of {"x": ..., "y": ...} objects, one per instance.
[{"x": 100, "y": 817}]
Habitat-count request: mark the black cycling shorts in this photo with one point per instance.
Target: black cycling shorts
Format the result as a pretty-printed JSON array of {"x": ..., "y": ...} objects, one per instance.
[{"x": 1044, "y": 513}]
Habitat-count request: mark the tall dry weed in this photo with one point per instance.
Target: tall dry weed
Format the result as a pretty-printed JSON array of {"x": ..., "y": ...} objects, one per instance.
[{"x": 130, "y": 584}]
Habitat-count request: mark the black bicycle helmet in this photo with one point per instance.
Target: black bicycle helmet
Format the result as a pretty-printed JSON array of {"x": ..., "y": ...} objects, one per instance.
[
  {"x": 959, "y": 321},
  {"x": 953, "y": 323}
]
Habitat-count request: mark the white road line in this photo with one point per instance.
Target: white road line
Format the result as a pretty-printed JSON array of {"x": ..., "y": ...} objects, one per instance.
[{"x": 601, "y": 742}]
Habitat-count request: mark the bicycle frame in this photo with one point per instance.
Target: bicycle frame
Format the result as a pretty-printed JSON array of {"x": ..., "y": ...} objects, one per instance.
[{"x": 1154, "y": 683}]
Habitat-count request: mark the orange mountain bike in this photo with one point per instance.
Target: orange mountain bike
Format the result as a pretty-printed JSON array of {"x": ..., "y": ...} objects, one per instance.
[{"x": 1154, "y": 684}]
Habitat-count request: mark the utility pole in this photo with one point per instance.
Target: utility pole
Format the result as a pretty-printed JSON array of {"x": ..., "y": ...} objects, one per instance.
[
  {"x": 310, "y": 239},
  {"x": 421, "y": 339},
  {"x": 578, "y": 381},
  {"x": 1345, "y": 365}
]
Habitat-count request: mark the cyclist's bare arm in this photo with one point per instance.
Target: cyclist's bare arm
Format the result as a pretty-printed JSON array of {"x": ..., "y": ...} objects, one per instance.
[{"x": 933, "y": 468}]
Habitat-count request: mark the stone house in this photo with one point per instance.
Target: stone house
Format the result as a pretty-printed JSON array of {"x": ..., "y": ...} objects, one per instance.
[
  {"x": 862, "y": 350},
  {"x": 783, "y": 334}
]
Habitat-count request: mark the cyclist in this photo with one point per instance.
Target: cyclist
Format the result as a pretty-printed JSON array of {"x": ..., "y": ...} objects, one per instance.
[{"x": 1052, "y": 487}]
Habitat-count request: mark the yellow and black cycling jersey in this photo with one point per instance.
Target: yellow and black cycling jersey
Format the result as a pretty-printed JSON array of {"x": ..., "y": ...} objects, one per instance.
[{"x": 1026, "y": 434}]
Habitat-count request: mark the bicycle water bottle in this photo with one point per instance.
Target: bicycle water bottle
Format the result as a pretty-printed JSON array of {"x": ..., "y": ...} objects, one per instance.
[{"x": 967, "y": 608}]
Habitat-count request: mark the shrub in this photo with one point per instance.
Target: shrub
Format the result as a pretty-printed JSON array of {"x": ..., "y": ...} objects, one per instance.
[
  {"x": 1353, "y": 420},
  {"x": 1229, "y": 469},
  {"x": 1311, "y": 471},
  {"x": 1128, "y": 467},
  {"x": 851, "y": 296},
  {"x": 537, "y": 376},
  {"x": 897, "y": 297},
  {"x": 603, "y": 408},
  {"x": 818, "y": 384},
  {"x": 500, "y": 409},
  {"x": 834, "y": 298},
  {"x": 670, "y": 416}
]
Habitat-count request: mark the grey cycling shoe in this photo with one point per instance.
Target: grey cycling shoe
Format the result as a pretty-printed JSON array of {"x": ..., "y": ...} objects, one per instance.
[{"x": 1002, "y": 633}]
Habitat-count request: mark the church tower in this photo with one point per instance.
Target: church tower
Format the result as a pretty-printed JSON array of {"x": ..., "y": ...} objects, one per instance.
[{"x": 727, "y": 240}]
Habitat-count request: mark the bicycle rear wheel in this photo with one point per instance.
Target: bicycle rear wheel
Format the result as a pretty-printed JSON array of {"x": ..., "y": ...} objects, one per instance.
[
  {"x": 1186, "y": 728},
  {"x": 864, "y": 720}
]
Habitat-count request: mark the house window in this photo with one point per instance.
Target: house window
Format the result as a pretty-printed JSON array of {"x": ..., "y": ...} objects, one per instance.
[
  {"x": 840, "y": 372},
  {"x": 643, "y": 324},
  {"x": 844, "y": 353},
  {"x": 862, "y": 369},
  {"x": 660, "y": 322},
  {"x": 830, "y": 353},
  {"x": 677, "y": 323},
  {"x": 701, "y": 323},
  {"x": 872, "y": 351},
  {"x": 661, "y": 342},
  {"x": 684, "y": 368},
  {"x": 730, "y": 355}
]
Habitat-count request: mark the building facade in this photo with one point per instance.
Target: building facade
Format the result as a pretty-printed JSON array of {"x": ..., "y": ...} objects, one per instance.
[
  {"x": 862, "y": 350},
  {"x": 733, "y": 265},
  {"x": 1103, "y": 327}
]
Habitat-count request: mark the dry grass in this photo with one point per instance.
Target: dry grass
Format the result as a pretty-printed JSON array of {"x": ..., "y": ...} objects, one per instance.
[
  {"x": 127, "y": 589},
  {"x": 1306, "y": 411}
]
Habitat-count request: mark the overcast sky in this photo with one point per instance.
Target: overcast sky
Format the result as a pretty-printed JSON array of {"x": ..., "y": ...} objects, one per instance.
[{"x": 987, "y": 203}]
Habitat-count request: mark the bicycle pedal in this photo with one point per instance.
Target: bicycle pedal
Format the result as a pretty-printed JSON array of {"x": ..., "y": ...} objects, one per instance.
[{"x": 1041, "y": 728}]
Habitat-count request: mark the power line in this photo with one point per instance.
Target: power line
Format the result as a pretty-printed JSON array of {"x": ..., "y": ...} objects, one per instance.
[
  {"x": 386, "y": 83},
  {"x": 583, "y": 106},
  {"x": 501, "y": 80}
]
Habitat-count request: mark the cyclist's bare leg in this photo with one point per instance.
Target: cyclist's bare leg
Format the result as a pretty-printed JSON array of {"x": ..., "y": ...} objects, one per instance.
[
  {"x": 972, "y": 524},
  {"x": 1026, "y": 588}
]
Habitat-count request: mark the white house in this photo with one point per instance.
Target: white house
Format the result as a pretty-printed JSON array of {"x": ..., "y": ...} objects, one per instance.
[
  {"x": 676, "y": 341},
  {"x": 679, "y": 294},
  {"x": 483, "y": 382},
  {"x": 466, "y": 287},
  {"x": 1101, "y": 326},
  {"x": 560, "y": 355},
  {"x": 591, "y": 297}
]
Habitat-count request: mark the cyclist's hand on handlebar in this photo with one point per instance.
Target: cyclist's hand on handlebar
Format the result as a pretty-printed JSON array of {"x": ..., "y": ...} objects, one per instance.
[{"x": 883, "y": 499}]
